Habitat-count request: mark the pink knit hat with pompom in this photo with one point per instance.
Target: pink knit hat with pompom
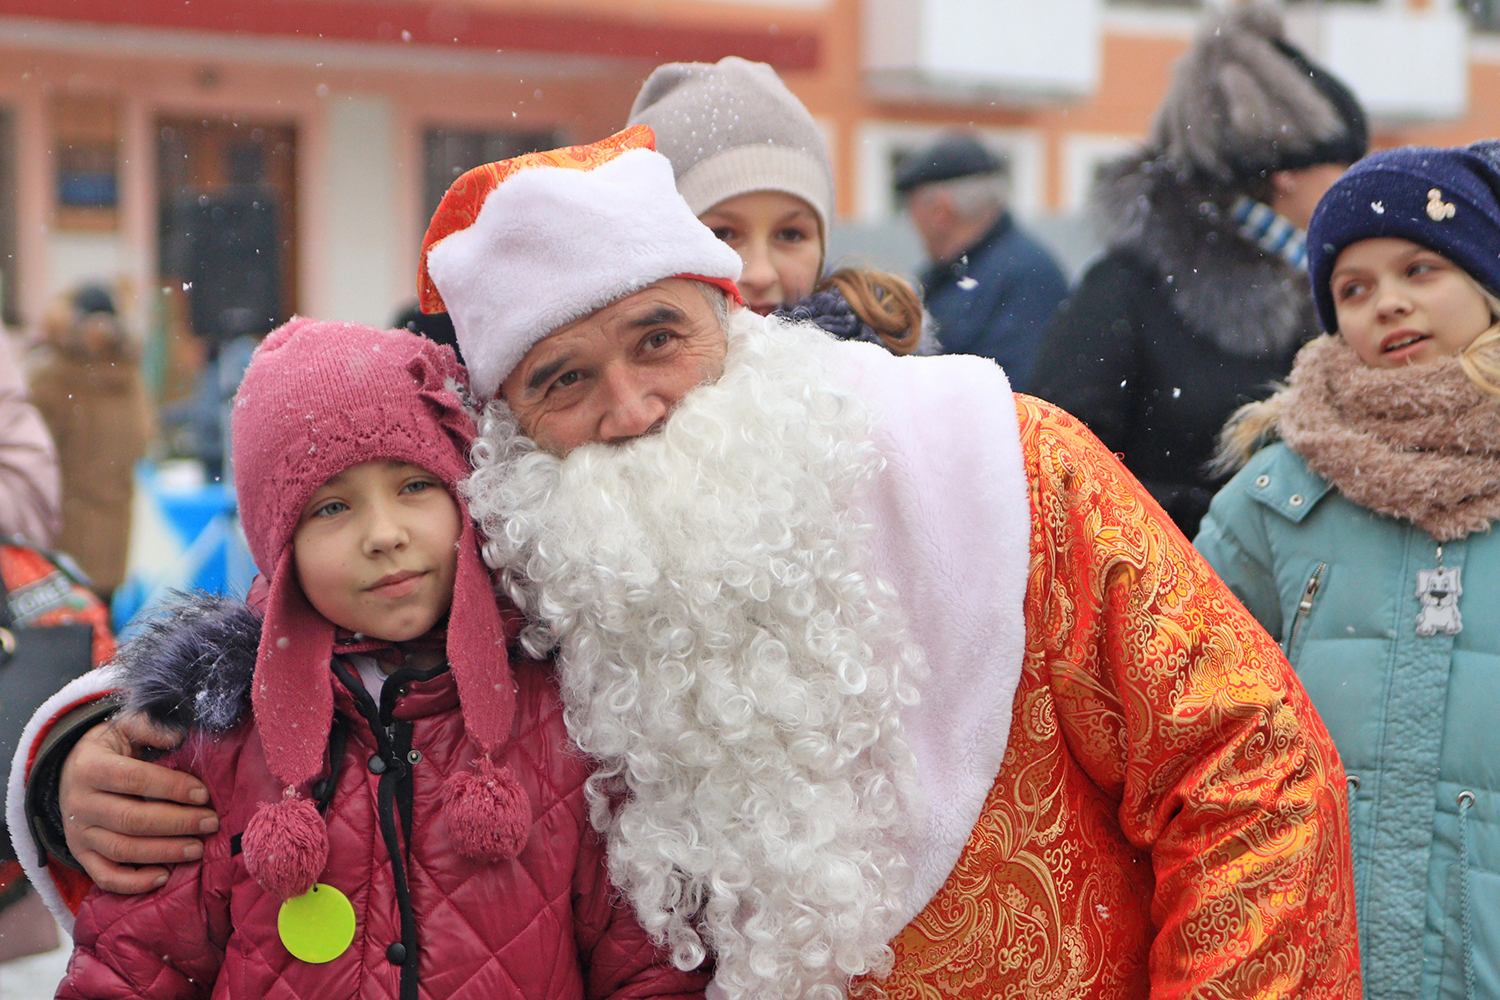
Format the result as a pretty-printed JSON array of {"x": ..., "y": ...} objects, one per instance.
[{"x": 317, "y": 399}]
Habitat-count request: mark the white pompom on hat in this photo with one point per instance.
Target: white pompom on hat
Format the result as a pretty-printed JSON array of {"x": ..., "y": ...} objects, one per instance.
[{"x": 521, "y": 247}]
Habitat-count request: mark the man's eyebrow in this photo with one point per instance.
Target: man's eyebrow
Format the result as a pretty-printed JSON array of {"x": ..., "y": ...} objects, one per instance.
[
  {"x": 661, "y": 314},
  {"x": 544, "y": 374}
]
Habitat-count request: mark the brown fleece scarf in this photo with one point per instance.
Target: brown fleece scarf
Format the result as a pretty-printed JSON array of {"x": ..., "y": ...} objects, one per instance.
[{"x": 1420, "y": 442}]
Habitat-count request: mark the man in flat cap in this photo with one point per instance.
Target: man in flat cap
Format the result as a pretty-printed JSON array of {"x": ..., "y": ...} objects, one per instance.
[{"x": 992, "y": 287}]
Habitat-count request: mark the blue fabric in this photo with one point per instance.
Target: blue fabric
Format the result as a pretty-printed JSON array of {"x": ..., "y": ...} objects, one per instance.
[
  {"x": 1412, "y": 716},
  {"x": 996, "y": 300},
  {"x": 831, "y": 312},
  {"x": 1447, "y": 200},
  {"x": 1272, "y": 232}
]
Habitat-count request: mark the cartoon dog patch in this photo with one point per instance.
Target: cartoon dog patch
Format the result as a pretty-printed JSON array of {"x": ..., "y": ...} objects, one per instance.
[{"x": 1439, "y": 590}]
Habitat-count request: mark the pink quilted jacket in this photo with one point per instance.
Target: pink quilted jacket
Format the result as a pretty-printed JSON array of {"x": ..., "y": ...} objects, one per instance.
[{"x": 545, "y": 926}]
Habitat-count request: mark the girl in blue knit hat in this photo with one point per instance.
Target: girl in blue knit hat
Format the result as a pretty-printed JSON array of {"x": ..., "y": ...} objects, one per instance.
[{"x": 1360, "y": 536}]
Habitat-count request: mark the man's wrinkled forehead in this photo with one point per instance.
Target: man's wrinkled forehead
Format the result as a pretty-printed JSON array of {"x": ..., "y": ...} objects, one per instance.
[
  {"x": 670, "y": 301},
  {"x": 644, "y": 317}
]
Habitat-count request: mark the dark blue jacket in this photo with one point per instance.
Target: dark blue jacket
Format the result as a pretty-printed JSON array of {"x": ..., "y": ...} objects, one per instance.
[{"x": 996, "y": 299}]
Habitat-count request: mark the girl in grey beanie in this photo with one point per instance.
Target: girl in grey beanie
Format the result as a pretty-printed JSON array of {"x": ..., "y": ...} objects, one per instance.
[{"x": 751, "y": 163}]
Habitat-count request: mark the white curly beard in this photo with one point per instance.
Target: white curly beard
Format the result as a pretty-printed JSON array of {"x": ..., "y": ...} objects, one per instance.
[{"x": 726, "y": 654}]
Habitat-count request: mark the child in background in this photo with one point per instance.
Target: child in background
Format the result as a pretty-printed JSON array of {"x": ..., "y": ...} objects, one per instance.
[
  {"x": 1362, "y": 538},
  {"x": 401, "y": 812},
  {"x": 752, "y": 165}
]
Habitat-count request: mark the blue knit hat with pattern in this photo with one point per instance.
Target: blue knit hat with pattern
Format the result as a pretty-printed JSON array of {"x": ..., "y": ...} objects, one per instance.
[{"x": 1447, "y": 200}]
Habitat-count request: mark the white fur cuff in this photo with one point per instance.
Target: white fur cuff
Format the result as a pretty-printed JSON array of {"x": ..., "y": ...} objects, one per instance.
[{"x": 90, "y": 686}]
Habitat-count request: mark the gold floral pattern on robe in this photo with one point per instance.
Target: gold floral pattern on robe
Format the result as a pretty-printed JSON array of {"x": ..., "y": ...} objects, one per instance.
[{"x": 1170, "y": 818}]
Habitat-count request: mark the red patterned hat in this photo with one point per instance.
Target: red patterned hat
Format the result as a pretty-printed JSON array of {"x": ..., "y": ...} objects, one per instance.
[{"x": 521, "y": 247}]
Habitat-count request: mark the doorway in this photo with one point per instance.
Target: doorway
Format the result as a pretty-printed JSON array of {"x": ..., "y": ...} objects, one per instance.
[{"x": 228, "y": 235}]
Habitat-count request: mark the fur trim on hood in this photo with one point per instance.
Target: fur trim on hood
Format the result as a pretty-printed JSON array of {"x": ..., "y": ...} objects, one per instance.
[
  {"x": 190, "y": 668},
  {"x": 1247, "y": 302}
]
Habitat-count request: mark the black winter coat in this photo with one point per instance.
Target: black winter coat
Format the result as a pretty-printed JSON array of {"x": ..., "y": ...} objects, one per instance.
[{"x": 1180, "y": 323}]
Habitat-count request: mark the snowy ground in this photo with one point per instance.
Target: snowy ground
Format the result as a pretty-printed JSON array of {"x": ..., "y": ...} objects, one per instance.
[{"x": 35, "y": 978}]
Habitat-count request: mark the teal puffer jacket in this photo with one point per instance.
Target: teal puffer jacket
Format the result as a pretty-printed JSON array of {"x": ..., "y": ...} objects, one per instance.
[{"x": 1416, "y": 718}]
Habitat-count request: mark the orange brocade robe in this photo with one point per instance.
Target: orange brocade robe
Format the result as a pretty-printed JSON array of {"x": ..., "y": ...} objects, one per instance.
[{"x": 1170, "y": 818}]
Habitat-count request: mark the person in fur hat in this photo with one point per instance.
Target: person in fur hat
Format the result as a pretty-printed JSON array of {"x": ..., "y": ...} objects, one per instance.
[
  {"x": 889, "y": 678},
  {"x": 399, "y": 814},
  {"x": 1201, "y": 300},
  {"x": 1362, "y": 538}
]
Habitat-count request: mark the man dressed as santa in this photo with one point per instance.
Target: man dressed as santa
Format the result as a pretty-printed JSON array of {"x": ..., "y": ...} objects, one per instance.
[{"x": 894, "y": 678}]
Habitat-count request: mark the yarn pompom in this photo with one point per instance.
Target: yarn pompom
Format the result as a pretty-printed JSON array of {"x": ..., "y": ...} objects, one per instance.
[
  {"x": 488, "y": 813},
  {"x": 286, "y": 846}
]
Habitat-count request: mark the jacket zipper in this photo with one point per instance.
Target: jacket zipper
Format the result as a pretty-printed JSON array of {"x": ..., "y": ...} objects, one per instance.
[
  {"x": 393, "y": 797},
  {"x": 1304, "y": 607}
]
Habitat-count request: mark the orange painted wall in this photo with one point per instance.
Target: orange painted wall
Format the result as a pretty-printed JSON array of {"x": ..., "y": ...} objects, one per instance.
[
  {"x": 1135, "y": 72},
  {"x": 586, "y": 102}
]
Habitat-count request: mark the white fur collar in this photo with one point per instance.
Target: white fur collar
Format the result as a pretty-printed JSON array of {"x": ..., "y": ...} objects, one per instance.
[
  {"x": 952, "y": 520},
  {"x": 80, "y": 690}
]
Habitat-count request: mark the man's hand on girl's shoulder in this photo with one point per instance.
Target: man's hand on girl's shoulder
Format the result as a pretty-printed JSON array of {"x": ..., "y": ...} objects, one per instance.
[{"x": 126, "y": 819}]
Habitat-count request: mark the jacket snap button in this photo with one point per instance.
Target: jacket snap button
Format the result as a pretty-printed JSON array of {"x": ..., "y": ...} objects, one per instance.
[
  {"x": 415, "y": 756},
  {"x": 377, "y": 764},
  {"x": 396, "y": 953},
  {"x": 1262, "y": 481},
  {"x": 1295, "y": 500}
]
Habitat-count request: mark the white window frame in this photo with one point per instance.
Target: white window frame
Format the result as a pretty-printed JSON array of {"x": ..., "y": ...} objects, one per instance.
[
  {"x": 1083, "y": 154},
  {"x": 1025, "y": 149}
]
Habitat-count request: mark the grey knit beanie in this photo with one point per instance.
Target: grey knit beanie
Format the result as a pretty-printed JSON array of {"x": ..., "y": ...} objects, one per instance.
[{"x": 733, "y": 127}]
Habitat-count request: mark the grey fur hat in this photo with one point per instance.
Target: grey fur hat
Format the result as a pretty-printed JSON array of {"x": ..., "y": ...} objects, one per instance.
[
  {"x": 733, "y": 127},
  {"x": 1245, "y": 103}
]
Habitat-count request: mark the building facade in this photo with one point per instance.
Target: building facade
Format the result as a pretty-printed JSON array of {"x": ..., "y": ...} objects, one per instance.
[{"x": 227, "y": 164}]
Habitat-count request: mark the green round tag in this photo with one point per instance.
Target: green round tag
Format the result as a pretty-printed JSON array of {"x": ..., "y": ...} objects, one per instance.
[{"x": 318, "y": 925}]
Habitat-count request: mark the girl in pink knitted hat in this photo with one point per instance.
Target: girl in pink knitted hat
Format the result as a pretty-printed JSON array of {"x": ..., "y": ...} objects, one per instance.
[{"x": 400, "y": 809}]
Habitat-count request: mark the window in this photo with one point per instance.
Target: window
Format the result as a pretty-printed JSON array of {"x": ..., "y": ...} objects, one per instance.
[
  {"x": 86, "y": 160},
  {"x": 1085, "y": 156},
  {"x": 228, "y": 224},
  {"x": 1484, "y": 15},
  {"x": 451, "y": 152}
]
